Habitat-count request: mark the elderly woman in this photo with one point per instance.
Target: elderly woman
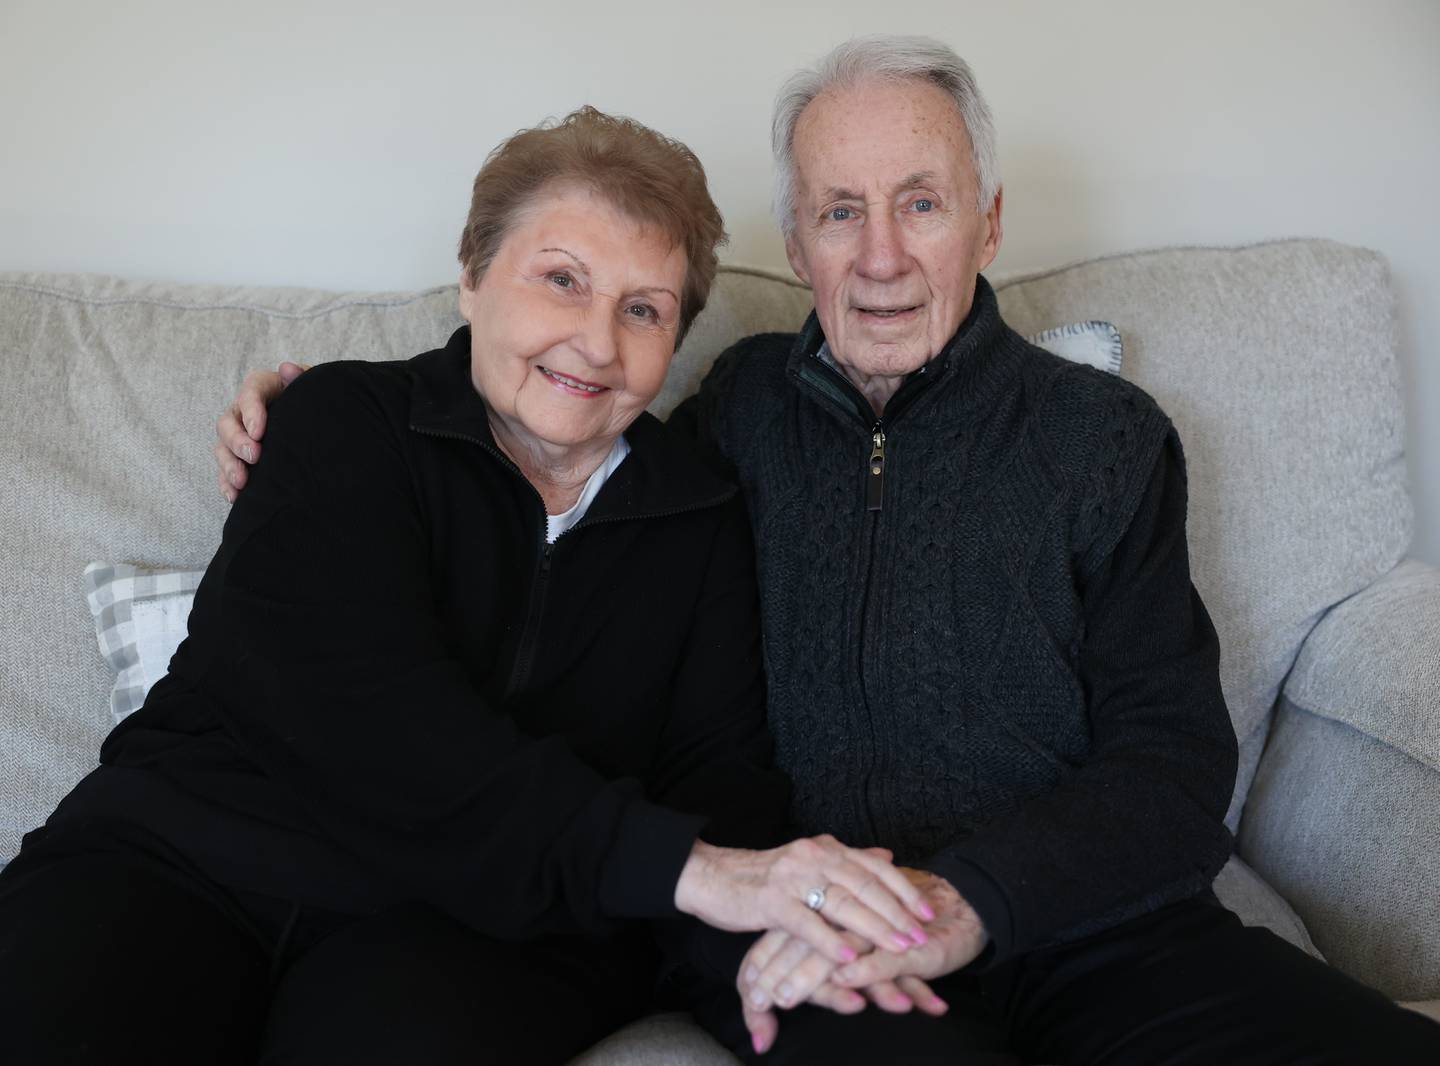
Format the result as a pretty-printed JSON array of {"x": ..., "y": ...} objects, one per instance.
[{"x": 472, "y": 679}]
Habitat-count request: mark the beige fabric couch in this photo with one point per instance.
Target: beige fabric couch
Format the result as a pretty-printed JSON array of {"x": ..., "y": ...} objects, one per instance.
[{"x": 1277, "y": 363}]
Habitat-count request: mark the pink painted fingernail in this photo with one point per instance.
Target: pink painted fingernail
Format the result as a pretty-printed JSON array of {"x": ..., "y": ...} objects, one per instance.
[
  {"x": 941, "y": 1005},
  {"x": 848, "y": 953},
  {"x": 918, "y": 935},
  {"x": 757, "y": 1043},
  {"x": 900, "y": 942},
  {"x": 926, "y": 911}
]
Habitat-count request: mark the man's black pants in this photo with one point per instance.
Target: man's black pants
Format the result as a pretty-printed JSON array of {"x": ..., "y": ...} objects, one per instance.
[
  {"x": 113, "y": 958},
  {"x": 1186, "y": 985}
]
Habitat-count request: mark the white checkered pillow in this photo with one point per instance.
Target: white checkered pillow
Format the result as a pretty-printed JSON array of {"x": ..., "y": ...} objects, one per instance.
[
  {"x": 1095, "y": 344},
  {"x": 140, "y": 619}
]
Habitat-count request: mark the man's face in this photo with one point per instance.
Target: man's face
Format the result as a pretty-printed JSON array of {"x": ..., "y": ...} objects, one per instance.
[{"x": 886, "y": 231}]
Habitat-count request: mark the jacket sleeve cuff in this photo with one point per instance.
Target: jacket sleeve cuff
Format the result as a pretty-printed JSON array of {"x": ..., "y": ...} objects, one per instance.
[
  {"x": 986, "y": 898},
  {"x": 643, "y": 865}
]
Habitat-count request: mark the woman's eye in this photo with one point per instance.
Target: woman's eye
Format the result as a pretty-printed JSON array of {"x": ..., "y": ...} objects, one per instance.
[
  {"x": 924, "y": 205},
  {"x": 840, "y": 214},
  {"x": 644, "y": 311},
  {"x": 565, "y": 281}
]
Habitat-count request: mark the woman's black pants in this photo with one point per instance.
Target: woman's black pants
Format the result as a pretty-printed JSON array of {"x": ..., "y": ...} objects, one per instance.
[
  {"x": 1186, "y": 985},
  {"x": 112, "y": 958}
]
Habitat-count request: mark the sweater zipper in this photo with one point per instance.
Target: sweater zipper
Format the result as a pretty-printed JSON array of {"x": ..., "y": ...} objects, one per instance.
[
  {"x": 540, "y": 586},
  {"x": 875, "y": 477},
  {"x": 841, "y": 394}
]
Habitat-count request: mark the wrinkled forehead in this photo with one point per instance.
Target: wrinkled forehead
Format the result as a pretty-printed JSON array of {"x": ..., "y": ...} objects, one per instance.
[{"x": 878, "y": 136}]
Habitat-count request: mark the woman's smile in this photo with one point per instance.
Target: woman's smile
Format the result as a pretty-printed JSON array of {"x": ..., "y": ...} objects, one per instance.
[{"x": 574, "y": 386}]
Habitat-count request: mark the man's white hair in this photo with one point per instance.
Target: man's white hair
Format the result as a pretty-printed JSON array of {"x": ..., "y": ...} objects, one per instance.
[{"x": 883, "y": 57}]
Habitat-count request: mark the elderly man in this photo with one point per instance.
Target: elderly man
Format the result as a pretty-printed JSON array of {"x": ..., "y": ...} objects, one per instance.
[{"x": 983, "y": 645}]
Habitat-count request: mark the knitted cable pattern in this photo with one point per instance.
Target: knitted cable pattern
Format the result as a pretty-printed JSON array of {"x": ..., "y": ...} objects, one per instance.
[{"x": 930, "y": 664}]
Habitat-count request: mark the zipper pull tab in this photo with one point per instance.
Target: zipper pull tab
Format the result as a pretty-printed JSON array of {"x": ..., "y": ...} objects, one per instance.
[{"x": 875, "y": 478}]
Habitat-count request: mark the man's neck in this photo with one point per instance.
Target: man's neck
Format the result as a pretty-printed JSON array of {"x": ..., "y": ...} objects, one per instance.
[{"x": 876, "y": 388}]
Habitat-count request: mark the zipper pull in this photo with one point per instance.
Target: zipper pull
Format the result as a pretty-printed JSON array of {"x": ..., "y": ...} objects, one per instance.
[{"x": 875, "y": 478}]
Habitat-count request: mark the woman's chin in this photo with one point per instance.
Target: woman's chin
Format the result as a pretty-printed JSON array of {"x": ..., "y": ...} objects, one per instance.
[{"x": 592, "y": 434}]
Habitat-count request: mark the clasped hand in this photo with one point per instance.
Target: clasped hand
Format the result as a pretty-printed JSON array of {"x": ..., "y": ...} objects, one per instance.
[{"x": 784, "y": 970}]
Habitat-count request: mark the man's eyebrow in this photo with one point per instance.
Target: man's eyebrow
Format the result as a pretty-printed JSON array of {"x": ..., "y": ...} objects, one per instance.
[{"x": 920, "y": 177}]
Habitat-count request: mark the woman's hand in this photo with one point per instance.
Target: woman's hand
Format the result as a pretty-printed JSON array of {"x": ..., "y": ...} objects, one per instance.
[
  {"x": 783, "y": 971},
  {"x": 242, "y": 424},
  {"x": 857, "y": 890}
]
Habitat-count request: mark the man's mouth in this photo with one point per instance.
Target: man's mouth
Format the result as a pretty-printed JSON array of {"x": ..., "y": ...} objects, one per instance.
[
  {"x": 887, "y": 312},
  {"x": 569, "y": 382}
]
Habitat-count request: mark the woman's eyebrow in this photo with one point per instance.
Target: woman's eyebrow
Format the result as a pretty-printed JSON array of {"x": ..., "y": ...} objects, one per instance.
[
  {"x": 644, "y": 290},
  {"x": 565, "y": 251}
]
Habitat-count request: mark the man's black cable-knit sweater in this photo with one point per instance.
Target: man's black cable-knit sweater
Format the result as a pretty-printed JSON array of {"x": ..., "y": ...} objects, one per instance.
[{"x": 983, "y": 646}]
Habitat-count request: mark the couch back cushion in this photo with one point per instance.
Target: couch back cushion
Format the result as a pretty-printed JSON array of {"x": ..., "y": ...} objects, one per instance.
[{"x": 1277, "y": 363}]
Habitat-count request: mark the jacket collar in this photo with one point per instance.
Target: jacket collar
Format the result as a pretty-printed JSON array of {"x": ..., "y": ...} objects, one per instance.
[
  {"x": 962, "y": 360},
  {"x": 663, "y": 474}
]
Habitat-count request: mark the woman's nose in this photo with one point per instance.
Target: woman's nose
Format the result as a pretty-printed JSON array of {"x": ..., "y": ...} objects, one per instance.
[{"x": 598, "y": 335}]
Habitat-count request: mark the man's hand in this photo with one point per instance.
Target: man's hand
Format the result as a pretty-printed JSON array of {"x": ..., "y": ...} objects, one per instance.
[
  {"x": 242, "y": 425},
  {"x": 955, "y": 938},
  {"x": 781, "y": 970}
]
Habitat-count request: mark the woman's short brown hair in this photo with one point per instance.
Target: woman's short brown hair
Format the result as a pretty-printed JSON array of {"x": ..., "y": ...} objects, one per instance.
[{"x": 646, "y": 176}]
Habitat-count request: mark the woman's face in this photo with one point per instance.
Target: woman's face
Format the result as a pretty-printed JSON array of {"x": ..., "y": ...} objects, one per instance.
[{"x": 573, "y": 324}]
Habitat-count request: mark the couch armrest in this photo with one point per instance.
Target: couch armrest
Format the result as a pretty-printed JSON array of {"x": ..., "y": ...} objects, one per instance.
[
  {"x": 1373, "y": 663},
  {"x": 1343, "y": 815}
]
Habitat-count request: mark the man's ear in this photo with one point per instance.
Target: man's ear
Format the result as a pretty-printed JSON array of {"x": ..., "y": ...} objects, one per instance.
[
  {"x": 797, "y": 259},
  {"x": 991, "y": 248}
]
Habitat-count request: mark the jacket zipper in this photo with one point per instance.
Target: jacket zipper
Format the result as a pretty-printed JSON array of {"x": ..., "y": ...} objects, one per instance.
[{"x": 530, "y": 635}]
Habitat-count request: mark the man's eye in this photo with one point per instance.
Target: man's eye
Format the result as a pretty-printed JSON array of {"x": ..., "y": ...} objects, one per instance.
[
  {"x": 924, "y": 205},
  {"x": 840, "y": 214}
]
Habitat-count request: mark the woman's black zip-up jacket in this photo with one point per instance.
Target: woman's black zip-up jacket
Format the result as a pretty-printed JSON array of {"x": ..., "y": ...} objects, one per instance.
[{"x": 394, "y": 690}]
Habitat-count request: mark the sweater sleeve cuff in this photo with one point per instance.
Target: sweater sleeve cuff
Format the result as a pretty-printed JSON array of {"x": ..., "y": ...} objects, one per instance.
[
  {"x": 986, "y": 898},
  {"x": 643, "y": 865}
]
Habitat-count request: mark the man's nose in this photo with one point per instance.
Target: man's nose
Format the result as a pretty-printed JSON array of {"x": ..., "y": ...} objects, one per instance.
[{"x": 882, "y": 247}]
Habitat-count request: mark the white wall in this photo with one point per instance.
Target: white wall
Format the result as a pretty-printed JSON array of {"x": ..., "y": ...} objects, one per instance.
[{"x": 247, "y": 143}]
